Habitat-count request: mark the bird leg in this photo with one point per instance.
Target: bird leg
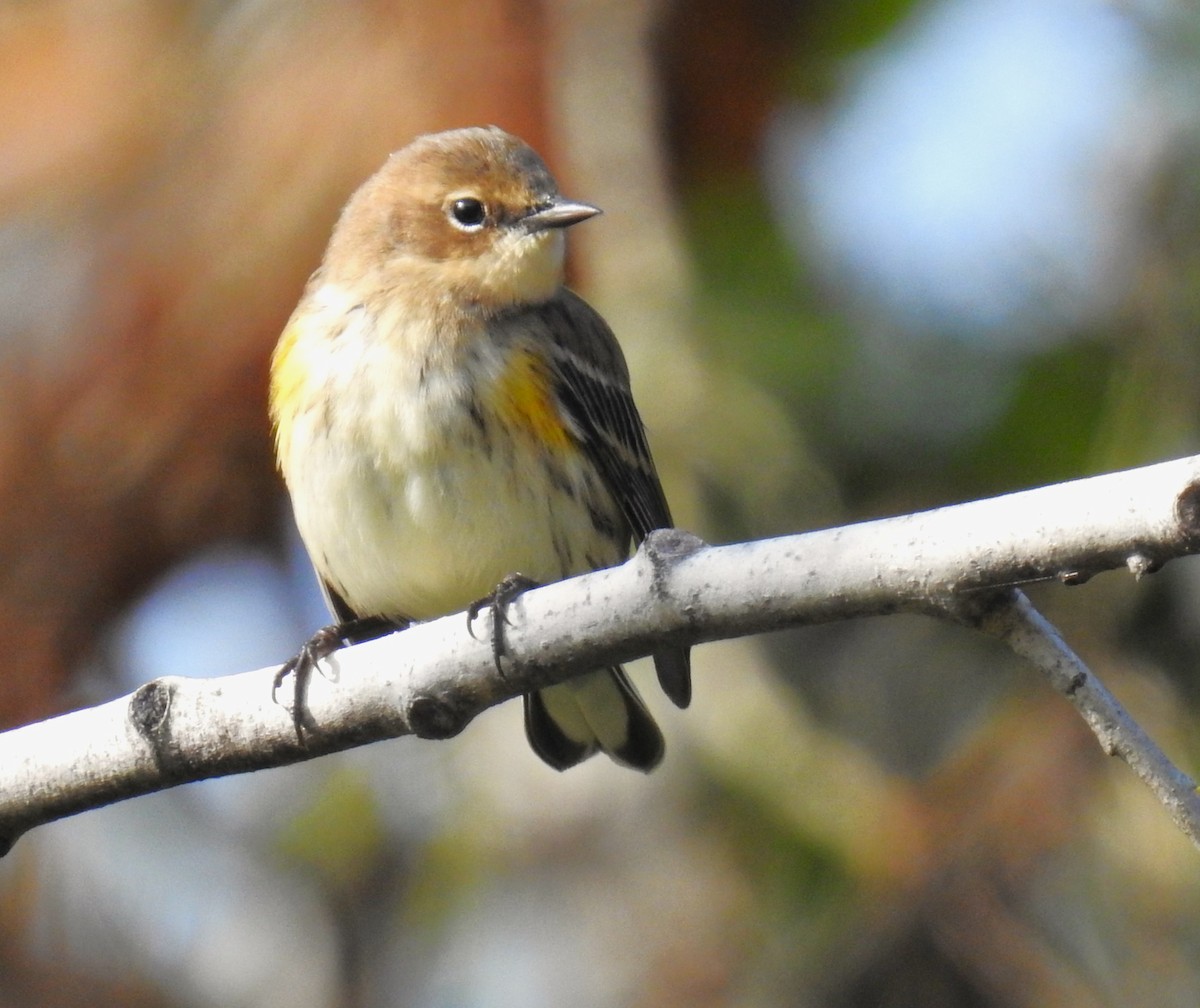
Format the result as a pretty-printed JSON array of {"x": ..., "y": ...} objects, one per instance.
[
  {"x": 499, "y": 599},
  {"x": 319, "y": 646}
]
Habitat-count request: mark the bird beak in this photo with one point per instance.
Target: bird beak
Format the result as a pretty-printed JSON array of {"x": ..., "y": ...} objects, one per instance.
[{"x": 559, "y": 214}]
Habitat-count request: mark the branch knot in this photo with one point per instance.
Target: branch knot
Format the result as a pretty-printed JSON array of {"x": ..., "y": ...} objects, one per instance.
[
  {"x": 149, "y": 707},
  {"x": 1187, "y": 511},
  {"x": 432, "y": 717}
]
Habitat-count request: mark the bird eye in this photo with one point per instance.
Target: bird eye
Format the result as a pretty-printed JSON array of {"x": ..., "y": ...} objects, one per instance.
[{"x": 468, "y": 213}]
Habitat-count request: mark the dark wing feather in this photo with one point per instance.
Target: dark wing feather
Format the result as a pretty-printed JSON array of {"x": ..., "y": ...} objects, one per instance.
[
  {"x": 592, "y": 386},
  {"x": 337, "y": 605}
]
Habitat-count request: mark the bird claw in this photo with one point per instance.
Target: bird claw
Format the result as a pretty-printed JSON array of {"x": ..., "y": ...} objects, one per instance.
[
  {"x": 318, "y": 647},
  {"x": 498, "y": 600}
]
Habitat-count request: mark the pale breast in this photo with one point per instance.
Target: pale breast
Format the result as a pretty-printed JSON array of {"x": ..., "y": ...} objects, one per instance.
[{"x": 413, "y": 502}]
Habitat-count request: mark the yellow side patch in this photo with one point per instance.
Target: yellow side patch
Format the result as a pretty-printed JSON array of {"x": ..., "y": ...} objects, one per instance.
[
  {"x": 285, "y": 374},
  {"x": 289, "y": 381},
  {"x": 524, "y": 401}
]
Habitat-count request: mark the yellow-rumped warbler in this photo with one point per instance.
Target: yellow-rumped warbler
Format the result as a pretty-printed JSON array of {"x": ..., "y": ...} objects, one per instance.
[{"x": 448, "y": 414}]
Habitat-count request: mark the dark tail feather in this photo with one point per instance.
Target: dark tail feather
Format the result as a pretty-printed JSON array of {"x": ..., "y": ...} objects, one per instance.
[
  {"x": 569, "y": 722},
  {"x": 674, "y": 668},
  {"x": 548, "y": 740}
]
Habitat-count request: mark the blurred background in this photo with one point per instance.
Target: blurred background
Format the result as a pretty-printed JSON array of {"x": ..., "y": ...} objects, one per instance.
[{"x": 865, "y": 257}]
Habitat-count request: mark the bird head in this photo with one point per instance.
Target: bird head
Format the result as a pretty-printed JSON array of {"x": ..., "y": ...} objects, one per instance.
[{"x": 470, "y": 217}]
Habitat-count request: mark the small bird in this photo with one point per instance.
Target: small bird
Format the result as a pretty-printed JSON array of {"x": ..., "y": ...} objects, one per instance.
[{"x": 451, "y": 420}]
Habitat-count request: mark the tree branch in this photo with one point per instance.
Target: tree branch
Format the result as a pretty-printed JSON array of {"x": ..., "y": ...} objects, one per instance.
[
  {"x": 1008, "y": 615},
  {"x": 432, "y": 679}
]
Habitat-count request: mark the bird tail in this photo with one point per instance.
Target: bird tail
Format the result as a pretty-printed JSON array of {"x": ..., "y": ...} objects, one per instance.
[
  {"x": 599, "y": 711},
  {"x": 674, "y": 667}
]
